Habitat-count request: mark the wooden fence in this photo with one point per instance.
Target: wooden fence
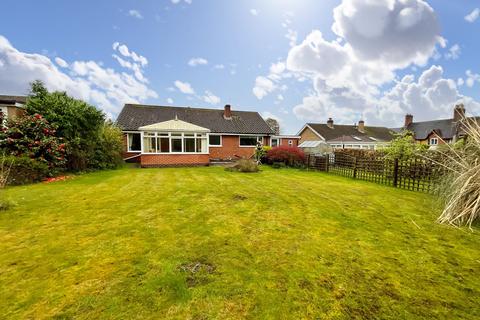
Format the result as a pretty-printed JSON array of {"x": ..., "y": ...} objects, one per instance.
[{"x": 412, "y": 174}]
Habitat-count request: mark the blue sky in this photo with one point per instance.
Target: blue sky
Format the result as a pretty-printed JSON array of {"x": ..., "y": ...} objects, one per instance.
[{"x": 280, "y": 57}]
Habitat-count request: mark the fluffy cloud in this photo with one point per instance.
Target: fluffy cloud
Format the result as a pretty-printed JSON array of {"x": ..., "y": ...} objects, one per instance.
[
  {"x": 178, "y": 1},
  {"x": 62, "y": 63},
  {"x": 87, "y": 80},
  {"x": 135, "y": 13},
  {"x": 263, "y": 86},
  {"x": 197, "y": 61},
  {"x": 184, "y": 87},
  {"x": 397, "y": 32},
  {"x": 210, "y": 98},
  {"x": 473, "y": 16},
  {"x": 254, "y": 12}
]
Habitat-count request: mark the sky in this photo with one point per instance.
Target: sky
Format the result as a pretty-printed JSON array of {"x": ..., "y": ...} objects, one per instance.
[{"x": 296, "y": 61}]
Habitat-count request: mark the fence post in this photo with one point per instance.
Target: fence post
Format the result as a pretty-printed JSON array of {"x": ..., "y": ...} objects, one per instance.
[
  {"x": 355, "y": 168},
  {"x": 395, "y": 173},
  {"x": 327, "y": 162}
]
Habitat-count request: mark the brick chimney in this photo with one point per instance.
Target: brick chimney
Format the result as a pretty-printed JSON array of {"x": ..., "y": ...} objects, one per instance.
[
  {"x": 408, "y": 120},
  {"x": 458, "y": 113},
  {"x": 227, "y": 112},
  {"x": 361, "y": 126},
  {"x": 330, "y": 123}
]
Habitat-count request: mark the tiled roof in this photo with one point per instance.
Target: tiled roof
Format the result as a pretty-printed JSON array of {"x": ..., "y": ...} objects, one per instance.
[
  {"x": 446, "y": 128},
  {"x": 348, "y": 132},
  {"x": 134, "y": 116},
  {"x": 12, "y": 99}
]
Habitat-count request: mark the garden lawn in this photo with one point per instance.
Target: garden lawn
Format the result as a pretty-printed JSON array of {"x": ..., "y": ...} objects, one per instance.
[{"x": 204, "y": 243}]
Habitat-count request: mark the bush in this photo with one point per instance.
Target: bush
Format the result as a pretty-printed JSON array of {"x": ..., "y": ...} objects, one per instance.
[
  {"x": 108, "y": 152},
  {"x": 244, "y": 165},
  {"x": 290, "y": 156},
  {"x": 278, "y": 165},
  {"x": 25, "y": 170},
  {"x": 32, "y": 136}
]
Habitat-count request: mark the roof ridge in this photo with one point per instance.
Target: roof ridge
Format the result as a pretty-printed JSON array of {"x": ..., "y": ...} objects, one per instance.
[{"x": 180, "y": 107}]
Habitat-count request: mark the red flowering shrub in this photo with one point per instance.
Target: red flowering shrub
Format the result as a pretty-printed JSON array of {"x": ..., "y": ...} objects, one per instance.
[
  {"x": 291, "y": 156},
  {"x": 33, "y": 137}
]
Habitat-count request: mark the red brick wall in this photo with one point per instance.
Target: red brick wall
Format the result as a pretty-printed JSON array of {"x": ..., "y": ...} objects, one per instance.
[
  {"x": 171, "y": 160},
  {"x": 231, "y": 149},
  {"x": 284, "y": 142}
]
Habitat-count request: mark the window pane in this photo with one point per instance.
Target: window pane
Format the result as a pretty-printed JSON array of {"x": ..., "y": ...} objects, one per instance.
[
  {"x": 176, "y": 134},
  {"x": 176, "y": 145},
  {"x": 164, "y": 145},
  {"x": 149, "y": 145},
  {"x": 214, "y": 140},
  {"x": 189, "y": 144},
  {"x": 134, "y": 142},
  {"x": 274, "y": 142},
  {"x": 248, "y": 141}
]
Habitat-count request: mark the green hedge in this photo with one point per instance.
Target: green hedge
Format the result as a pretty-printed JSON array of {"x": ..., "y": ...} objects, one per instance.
[{"x": 25, "y": 170}]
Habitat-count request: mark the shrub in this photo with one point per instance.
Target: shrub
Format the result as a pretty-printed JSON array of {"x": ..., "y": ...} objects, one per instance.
[
  {"x": 25, "y": 170},
  {"x": 460, "y": 188},
  {"x": 244, "y": 165},
  {"x": 291, "y": 156},
  {"x": 278, "y": 165},
  {"x": 32, "y": 136},
  {"x": 108, "y": 151},
  {"x": 403, "y": 146}
]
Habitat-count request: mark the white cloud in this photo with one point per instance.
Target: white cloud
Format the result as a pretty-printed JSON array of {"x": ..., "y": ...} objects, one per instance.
[
  {"x": 62, "y": 63},
  {"x": 178, "y": 1},
  {"x": 135, "y": 13},
  {"x": 124, "y": 51},
  {"x": 397, "y": 32},
  {"x": 473, "y": 16},
  {"x": 197, "y": 61},
  {"x": 184, "y": 87},
  {"x": 454, "y": 52},
  {"x": 254, "y": 12},
  {"x": 263, "y": 86},
  {"x": 209, "y": 97},
  {"x": 472, "y": 78},
  {"x": 87, "y": 80},
  {"x": 219, "y": 67},
  {"x": 170, "y": 101}
]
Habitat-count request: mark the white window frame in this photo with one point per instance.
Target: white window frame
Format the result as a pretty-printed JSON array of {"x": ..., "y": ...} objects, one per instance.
[
  {"x": 278, "y": 142},
  {"x": 128, "y": 141},
  {"x": 259, "y": 139},
  {"x": 290, "y": 143},
  {"x": 196, "y": 135},
  {"x": 215, "y": 145},
  {"x": 432, "y": 140}
]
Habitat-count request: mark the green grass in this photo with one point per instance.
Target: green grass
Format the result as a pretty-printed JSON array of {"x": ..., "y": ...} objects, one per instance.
[{"x": 203, "y": 243}]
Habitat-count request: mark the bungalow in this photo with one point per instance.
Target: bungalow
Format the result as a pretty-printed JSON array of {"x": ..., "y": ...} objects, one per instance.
[
  {"x": 12, "y": 106},
  {"x": 436, "y": 132},
  {"x": 344, "y": 136},
  {"x": 157, "y": 136}
]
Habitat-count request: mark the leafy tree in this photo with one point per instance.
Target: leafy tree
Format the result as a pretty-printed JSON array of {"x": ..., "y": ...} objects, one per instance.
[
  {"x": 78, "y": 123},
  {"x": 403, "y": 146},
  {"x": 109, "y": 149}
]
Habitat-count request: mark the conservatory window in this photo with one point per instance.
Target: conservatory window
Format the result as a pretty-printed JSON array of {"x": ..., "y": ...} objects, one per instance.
[
  {"x": 134, "y": 142},
  {"x": 156, "y": 142}
]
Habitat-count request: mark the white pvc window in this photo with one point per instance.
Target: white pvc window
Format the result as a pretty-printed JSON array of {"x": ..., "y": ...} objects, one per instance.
[
  {"x": 275, "y": 142},
  {"x": 134, "y": 142},
  {"x": 214, "y": 140},
  {"x": 290, "y": 143},
  {"x": 250, "y": 141},
  {"x": 433, "y": 141},
  {"x": 174, "y": 142}
]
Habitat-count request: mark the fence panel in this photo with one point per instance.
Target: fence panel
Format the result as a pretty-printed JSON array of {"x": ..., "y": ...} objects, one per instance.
[{"x": 412, "y": 174}]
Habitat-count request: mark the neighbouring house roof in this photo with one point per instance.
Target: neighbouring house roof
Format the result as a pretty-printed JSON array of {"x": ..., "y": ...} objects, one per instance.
[
  {"x": 4, "y": 99},
  {"x": 174, "y": 125},
  {"x": 134, "y": 116},
  {"x": 358, "y": 138},
  {"x": 446, "y": 128},
  {"x": 339, "y": 131}
]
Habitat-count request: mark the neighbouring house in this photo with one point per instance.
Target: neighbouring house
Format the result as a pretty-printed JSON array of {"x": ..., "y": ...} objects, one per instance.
[
  {"x": 339, "y": 136},
  {"x": 157, "y": 136},
  {"x": 436, "y": 132},
  {"x": 284, "y": 140},
  {"x": 12, "y": 106}
]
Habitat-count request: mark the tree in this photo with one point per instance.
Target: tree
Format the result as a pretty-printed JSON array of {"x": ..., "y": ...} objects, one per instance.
[
  {"x": 403, "y": 146},
  {"x": 274, "y": 125},
  {"x": 78, "y": 123}
]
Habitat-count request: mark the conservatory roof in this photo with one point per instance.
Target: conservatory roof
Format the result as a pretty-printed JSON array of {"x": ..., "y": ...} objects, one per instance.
[
  {"x": 310, "y": 144},
  {"x": 174, "y": 125}
]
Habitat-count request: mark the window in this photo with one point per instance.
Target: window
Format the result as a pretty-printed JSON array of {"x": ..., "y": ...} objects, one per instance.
[
  {"x": 134, "y": 142},
  {"x": 250, "y": 141},
  {"x": 433, "y": 141},
  {"x": 290, "y": 143},
  {"x": 275, "y": 142},
  {"x": 156, "y": 142},
  {"x": 215, "y": 140}
]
